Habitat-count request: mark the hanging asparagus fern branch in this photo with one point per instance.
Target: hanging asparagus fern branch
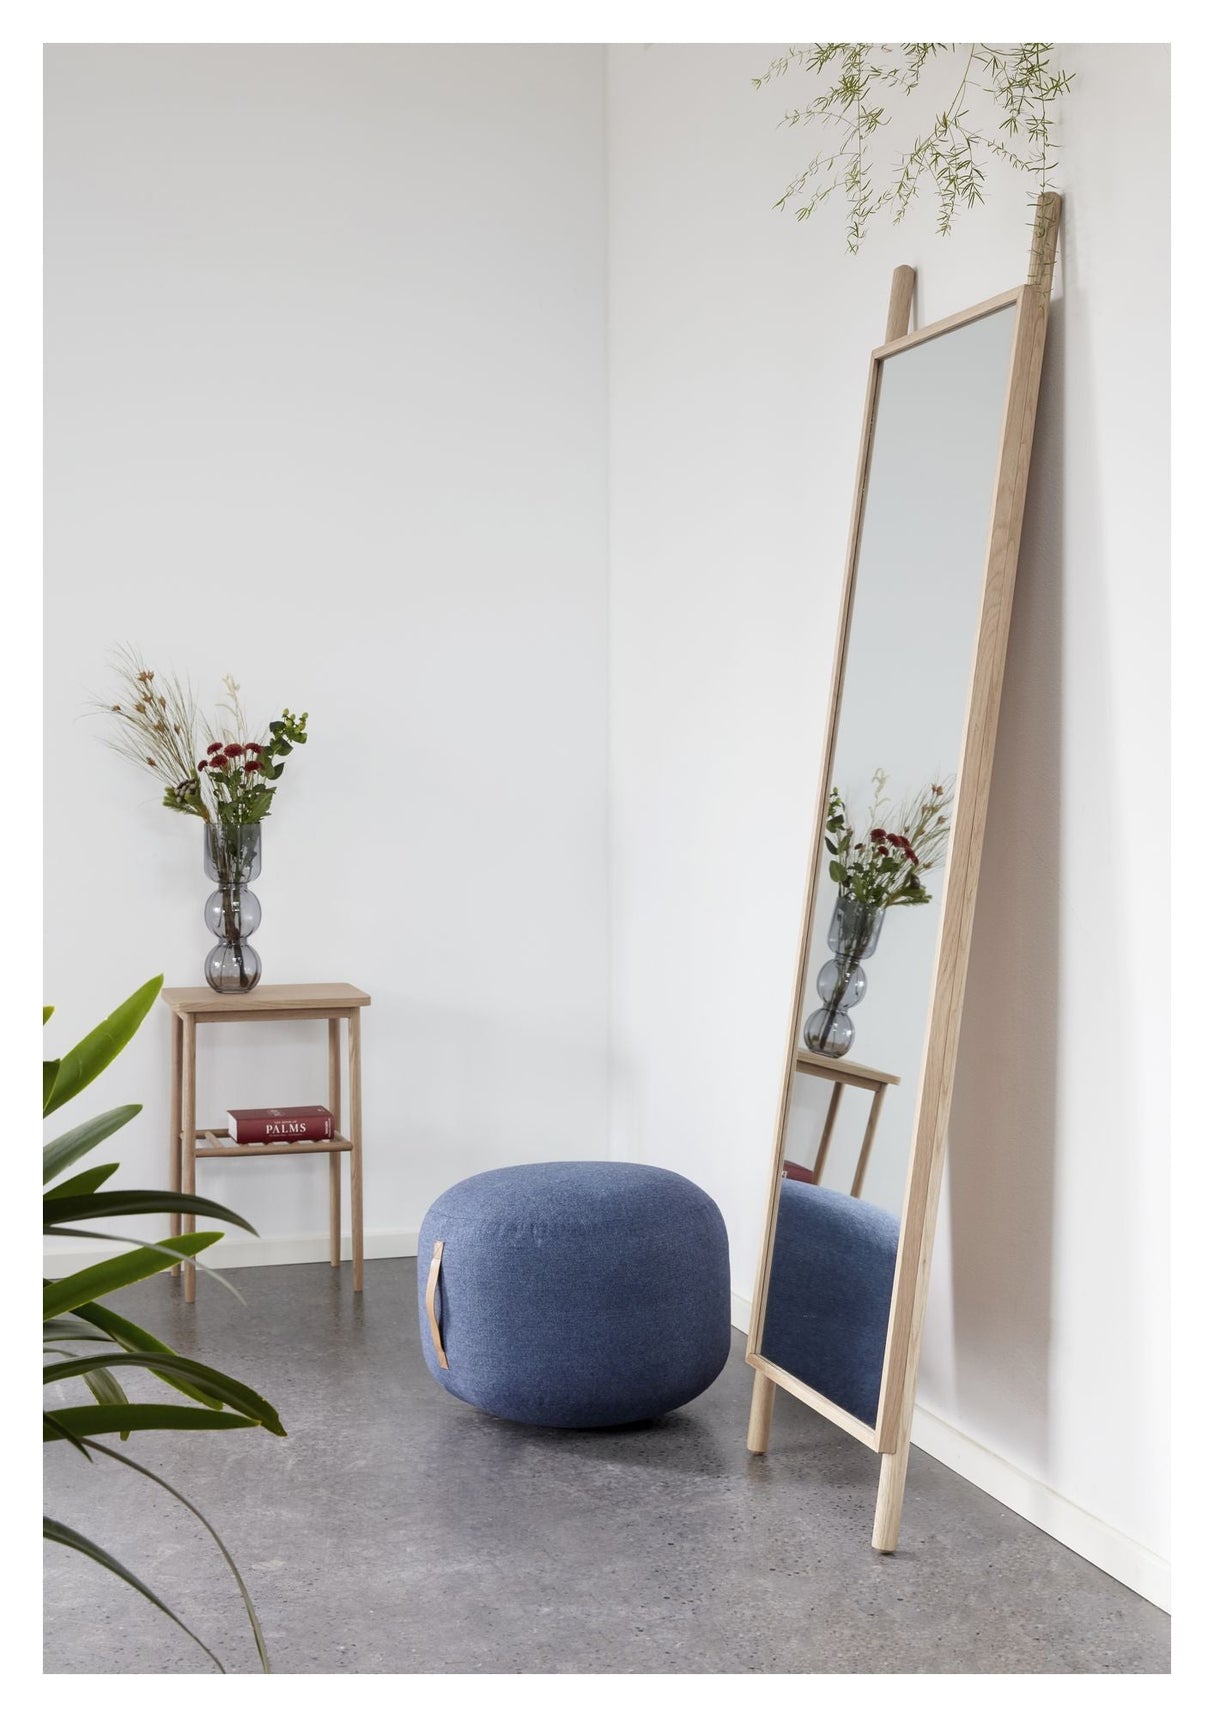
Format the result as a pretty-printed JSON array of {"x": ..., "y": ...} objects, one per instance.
[{"x": 1003, "y": 108}]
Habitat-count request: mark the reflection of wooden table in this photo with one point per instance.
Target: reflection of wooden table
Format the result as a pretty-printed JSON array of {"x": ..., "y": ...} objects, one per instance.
[
  {"x": 332, "y": 1002},
  {"x": 842, "y": 1073}
]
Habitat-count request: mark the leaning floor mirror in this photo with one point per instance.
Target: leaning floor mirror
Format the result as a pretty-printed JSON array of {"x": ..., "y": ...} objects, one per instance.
[{"x": 863, "y": 1109}]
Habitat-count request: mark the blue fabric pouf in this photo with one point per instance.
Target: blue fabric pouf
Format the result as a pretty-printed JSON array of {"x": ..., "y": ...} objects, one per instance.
[
  {"x": 577, "y": 1294},
  {"x": 828, "y": 1302}
]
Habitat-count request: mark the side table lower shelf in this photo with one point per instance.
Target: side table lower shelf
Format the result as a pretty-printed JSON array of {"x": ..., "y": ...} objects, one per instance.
[{"x": 289, "y": 1148}]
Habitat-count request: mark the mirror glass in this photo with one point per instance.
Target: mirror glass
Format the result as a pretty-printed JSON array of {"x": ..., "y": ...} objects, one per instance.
[{"x": 920, "y": 571}]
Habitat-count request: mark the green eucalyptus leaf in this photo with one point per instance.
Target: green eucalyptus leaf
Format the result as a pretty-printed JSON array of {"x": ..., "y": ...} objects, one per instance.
[{"x": 93, "y": 1054}]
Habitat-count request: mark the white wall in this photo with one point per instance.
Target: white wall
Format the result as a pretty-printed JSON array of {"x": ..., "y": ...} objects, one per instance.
[
  {"x": 326, "y": 409},
  {"x": 738, "y": 342}
]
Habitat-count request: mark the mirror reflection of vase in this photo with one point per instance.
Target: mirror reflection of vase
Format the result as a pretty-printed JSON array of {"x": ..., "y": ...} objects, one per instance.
[{"x": 855, "y": 930}]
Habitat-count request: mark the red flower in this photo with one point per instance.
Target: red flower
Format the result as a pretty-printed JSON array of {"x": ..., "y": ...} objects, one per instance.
[
  {"x": 879, "y": 835},
  {"x": 254, "y": 748},
  {"x": 252, "y": 768},
  {"x": 233, "y": 750},
  {"x": 217, "y": 746},
  {"x": 203, "y": 761}
]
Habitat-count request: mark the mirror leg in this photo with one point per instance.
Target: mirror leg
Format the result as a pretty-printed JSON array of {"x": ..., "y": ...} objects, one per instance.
[
  {"x": 762, "y": 1400},
  {"x": 890, "y": 1489}
]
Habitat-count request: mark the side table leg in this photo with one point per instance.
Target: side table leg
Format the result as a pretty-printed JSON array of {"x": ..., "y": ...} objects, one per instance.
[
  {"x": 189, "y": 1144},
  {"x": 175, "y": 1122},
  {"x": 870, "y": 1133},
  {"x": 335, "y": 1156},
  {"x": 827, "y": 1130},
  {"x": 353, "y": 1027}
]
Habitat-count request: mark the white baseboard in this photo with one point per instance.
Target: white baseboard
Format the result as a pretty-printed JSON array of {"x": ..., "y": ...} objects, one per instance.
[
  {"x": 243, "y": 1251},
  {"x": 1095, "y": 1540}
]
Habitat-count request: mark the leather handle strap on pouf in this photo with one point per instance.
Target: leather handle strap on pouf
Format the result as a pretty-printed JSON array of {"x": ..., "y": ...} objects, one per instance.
[{"x": 436, "y": 1335}]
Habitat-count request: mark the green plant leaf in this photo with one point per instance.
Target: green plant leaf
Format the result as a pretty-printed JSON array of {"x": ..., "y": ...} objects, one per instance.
[
  {"x": 254, "y": 1623},
  {"x": 137, "y": 1416},
  {"x": 46, "y": 1014},
  {"x": 171, "y": 1258},
  {"x": 136, "y": 1340},
  {"x": 62, "y": 1152},
  {"x": 93, "y": 1054},
  {"x": 99, "y": 1206},
  {"x": 57, "y": 1533},
  {"x": 98, "y": 1280},
  {"x": 50, "y": 1072},
  {"x": 72, "y": 1329},
  {"x": 105, "y": 1388},
  {"x": 87, "y": 1181},
  {"x": 219, "y": 1386}
]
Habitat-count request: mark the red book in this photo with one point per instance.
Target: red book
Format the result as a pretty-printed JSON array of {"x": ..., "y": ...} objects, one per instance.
[{"x": 277, "y": 1126}]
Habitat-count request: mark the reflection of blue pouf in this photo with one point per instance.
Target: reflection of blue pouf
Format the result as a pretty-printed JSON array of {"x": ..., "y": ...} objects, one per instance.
[
  {"x": 832, "y": 1278},
  {"x": 577, "y": 1294}
]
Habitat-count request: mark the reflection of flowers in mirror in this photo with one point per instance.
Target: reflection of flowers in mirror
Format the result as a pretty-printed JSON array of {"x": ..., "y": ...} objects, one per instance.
[{"x": 886, "y": 866}]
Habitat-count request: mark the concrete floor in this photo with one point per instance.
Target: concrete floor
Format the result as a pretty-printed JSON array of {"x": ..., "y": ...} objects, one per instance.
[{"x": 398, "y": 1531}]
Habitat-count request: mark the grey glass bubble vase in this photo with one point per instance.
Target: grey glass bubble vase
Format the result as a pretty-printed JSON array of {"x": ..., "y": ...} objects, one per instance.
[
  {"x": 232, "y": 857},
  {"x": 855, "y": 930}
]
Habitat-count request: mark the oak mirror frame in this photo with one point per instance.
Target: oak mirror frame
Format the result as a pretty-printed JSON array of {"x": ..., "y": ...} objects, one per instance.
[{"x": 889, "y": 1435}]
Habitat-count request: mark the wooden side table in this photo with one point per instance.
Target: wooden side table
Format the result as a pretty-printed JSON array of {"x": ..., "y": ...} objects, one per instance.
[
  {"x": 843, "y": 1073},
  {"x": 188, "y": 1009}
]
